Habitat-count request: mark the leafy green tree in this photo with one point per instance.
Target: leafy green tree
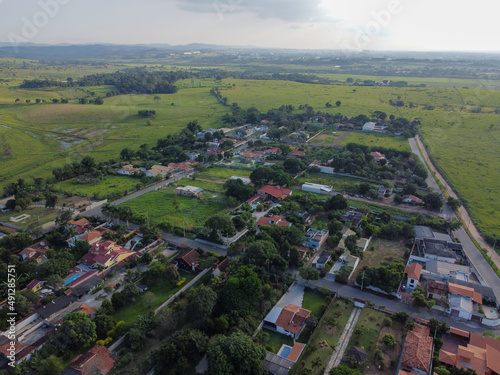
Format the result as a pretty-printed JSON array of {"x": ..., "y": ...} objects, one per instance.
[
  {"x": 103, "y": 324},
  {"x": 454, "y": 203},
  {"x": 293, "y": 166},
  {"x": 135, "y": 338},
  {"x": 344, "y": 370},
  {"x": 440, "y": 370},
  {"x": 235, "y": 354},
  {"x": 76, "y": 332},
  {"x": 389, "y": 340},
  {"x": 56, "y": 281},
  {"x": 220, "y": 223},
  {"x": 433, "y": 201},
  {"x": 309, "y": 273},
  {"x": 203, "y": 303},
  {"x": 51, "y": 365}
]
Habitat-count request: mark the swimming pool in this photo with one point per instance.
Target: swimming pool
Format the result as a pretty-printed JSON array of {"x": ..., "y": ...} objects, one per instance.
[
  {"x": 72, "y": 278},
  {"x": 285, "y": 351}
]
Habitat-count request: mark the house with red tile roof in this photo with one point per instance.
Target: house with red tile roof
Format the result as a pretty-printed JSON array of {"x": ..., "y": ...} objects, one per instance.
[
  {"x": 289, "y": 320},
  {"x": 481, "y": 354},
  {"x": 377, "y": 156},
  {"x": 278, "y": 220},
  {"x": 412, "y": 200},
  {"x": 274, "y": 192},
  {"x": 413, "y": 272},
  {"x": 188, "y": 260},
  {"x": 96, "y": 361},
  {"x": 105, "y": 254},
  {"x": 417, "y": 351},
  {"x": 221, "y": 267},
  {"x": 36, "y": 251}
]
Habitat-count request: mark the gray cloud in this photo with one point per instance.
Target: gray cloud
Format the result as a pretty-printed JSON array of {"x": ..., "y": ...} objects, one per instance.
[{"x": 286, "y": 10}]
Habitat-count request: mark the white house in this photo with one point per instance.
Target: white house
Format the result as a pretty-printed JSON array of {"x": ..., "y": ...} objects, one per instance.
[
  {"x": 369, "y": 126},
  {"x": 413, "y": 272},
  {"x": 320, "y": 261},
  {"x": 316, "y": 188}
]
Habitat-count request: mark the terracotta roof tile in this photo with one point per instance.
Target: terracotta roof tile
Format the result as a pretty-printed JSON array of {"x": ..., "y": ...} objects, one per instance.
[
  {"x": 414, "y": 271},
  {"x": 417, "y": 352},
  {"x": 275, "y": 191},
  {"x": 466, "y": 292},
  {"x": 292, "y": 318}
]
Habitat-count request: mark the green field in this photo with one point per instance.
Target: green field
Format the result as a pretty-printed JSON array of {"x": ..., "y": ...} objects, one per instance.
[
  {"x": 224, "y": 173},
  {"x": 39, "y": 216},
  {"x": 193, "y": 212},
  {"x": 314, "y": 301},
  {"x": 342, "y": 138},
  {"x": 108, "y": 185}
]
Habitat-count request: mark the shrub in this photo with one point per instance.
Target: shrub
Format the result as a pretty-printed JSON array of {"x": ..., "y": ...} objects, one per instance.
[{"x": 389, "y": 340}]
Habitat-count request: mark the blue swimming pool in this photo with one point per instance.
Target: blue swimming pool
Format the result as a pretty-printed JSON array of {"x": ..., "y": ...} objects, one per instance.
[
  {"x": 72, "y": 278},
  {"x": 285, "y": 351}
]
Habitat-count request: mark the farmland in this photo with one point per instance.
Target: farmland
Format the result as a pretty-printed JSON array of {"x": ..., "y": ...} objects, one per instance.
[{"x": 42, "y": 136}]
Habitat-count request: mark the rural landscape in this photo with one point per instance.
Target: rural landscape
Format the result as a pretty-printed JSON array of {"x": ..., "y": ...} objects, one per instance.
[{"x": 220, "y": 210}]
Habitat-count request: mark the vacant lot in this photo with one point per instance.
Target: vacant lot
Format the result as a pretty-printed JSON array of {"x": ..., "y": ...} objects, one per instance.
[
  {"x": 98, "y": 188},
  {"x": 192, "y": 212},
  {"x": 385, "y": 251},
  {"x": 342, "y": 138},
  {"x": 368, "y": 334},
  {"x": 320, "y": 346},
  {"x": 209, "y": 186},
  {"x": 224, "y": 173}
]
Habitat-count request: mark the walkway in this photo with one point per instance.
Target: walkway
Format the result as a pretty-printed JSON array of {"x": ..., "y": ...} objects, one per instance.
[{"x": 339, "y": 350}]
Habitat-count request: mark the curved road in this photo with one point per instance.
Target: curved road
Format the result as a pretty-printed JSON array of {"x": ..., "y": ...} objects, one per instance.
[{"x": 483, "y": 268}]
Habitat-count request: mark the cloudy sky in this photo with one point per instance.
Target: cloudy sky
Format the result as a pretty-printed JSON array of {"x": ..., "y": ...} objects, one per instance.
[{"x": 313, "y": 24}]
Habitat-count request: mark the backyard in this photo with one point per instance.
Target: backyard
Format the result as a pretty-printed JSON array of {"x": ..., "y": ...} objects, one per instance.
[
  {"x": 37, "y": 217},
  {"x": 161, "y": 291},
  {"x": 325, "y": 337},
  {"x": 368, "y": 333}
]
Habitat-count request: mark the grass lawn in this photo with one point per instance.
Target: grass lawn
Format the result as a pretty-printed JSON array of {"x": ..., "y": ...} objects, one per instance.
[
  {"x": 162, "y": 291},
  {"x": 225, "y": 173},
  {"x": 199, "y": 182},
  {"x": 376, "y": 140},
  {"x": 323, "y": 340},
  {"x": 338, "y": 183},
  {"x": 385, "y": 251},
  {"x": 313, "y": 300},
  {"x": 98, "y": 188},
  {"x": 371, "y": 331},
  {"x": 193, "y": 212},
  {"x": 39, "y": 216},
  {"x": 276, "y": 340}
]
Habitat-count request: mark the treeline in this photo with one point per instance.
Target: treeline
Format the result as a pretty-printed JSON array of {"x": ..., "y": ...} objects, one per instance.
[{"x": 128, "y": 81}]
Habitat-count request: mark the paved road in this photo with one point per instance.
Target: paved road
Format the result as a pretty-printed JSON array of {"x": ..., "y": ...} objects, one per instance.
[
  {"x": 483, "y": 268},
  {"x": 395, "y": 306}
]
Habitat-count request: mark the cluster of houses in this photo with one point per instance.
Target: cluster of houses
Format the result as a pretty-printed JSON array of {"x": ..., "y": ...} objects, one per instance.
[
  {"x": 460, "y": 349},
  {"x": 440, "y": 267},
  {"x": 158, "y": 170}
]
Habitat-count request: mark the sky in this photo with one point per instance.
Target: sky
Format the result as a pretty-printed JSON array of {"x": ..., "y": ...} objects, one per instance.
[{"x": 410, "y": 25}]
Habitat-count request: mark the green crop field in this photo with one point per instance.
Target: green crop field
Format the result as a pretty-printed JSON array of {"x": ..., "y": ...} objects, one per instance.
[
  {"x": 193, "y": 212},
  {"x": 98, "y": 188},
  {"x": 342, "y": 138},
  {"x": 464, "y": 144}
]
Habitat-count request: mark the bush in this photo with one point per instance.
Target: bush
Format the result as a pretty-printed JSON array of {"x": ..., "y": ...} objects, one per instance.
[
  {"x": 387, "y": 322},
  {"x": 389, "y": 340}
]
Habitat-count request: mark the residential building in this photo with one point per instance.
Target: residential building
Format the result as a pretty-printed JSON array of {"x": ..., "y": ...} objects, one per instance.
[
  {"x": 426, "y": 249},
  {"x": 188, "y": 260},
  {"x": 316, "y": 188},
  {"x": 245, "y": 180},
  {"x": 321, "y": 260},
  {"x": 417, "y": 352},
  {"x": 369, "y": 126},
  {"x": 298, "y": 153},
  {"x": 451, "y": 271},
  {"x": 274, "y": 193},
  {"x": 315, "y": 238},
  {"x": 289, "y": 320},
  {"x": 128, "y": 170},
  {"x": 352, "y": 218},
  {"x": 36, "y": 251},
  {"x": 189, "y": 191},
  {"x": 359, "y": 354},
  {"x": 80, "y": 225},
  {"x": 220, "y": 268},
  {"x": 472, "y": 351},
  {"x": 159, "y": 170},
  {"x": 105, "y": 255},
  {"x": 412, "y": 200},
  {"x": 413, "y": 272},
  {"x": 345, "y": 260},
  {"x": 278, "y": 220},
  {"x": 377, "y": 156},
  {"x": 322, "y": 168},
  {"x": 35, "y": 285},
  {"x": 96, "y": 361}
]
